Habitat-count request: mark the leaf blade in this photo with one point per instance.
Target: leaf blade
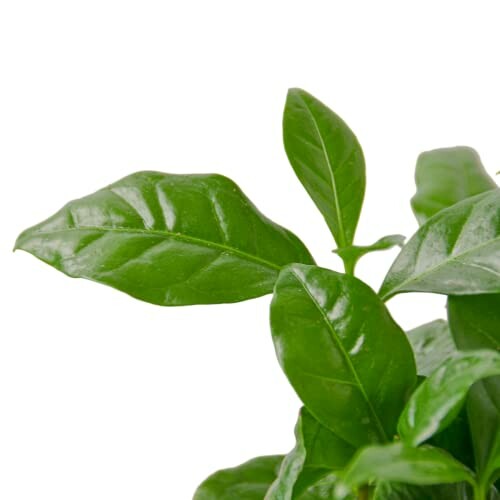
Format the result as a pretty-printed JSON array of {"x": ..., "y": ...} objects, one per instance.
[{"x": 167, "y": 239}]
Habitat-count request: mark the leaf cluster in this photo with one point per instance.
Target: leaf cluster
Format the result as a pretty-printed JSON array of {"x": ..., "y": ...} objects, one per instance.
[{"x": 387, "y": 414}]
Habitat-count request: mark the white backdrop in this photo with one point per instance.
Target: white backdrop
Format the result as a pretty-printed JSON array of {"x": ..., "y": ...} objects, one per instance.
[{"x": 103, "y": 397}]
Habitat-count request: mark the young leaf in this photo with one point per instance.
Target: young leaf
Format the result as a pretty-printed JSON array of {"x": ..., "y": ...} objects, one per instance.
[
  {"x": 445, "y": 177},
  {"x": 396, "y": 462},
  {"x": 432, "y": 343},
  {"x": 248, "y": 481},
  {"x": 437, "y": 401},
  {"x": 475, "y": 324},
  {"x": 346, "y": 358},
  {"x": 456, "y": 252},
  {"x": 317, "y": 452},
  {"x": 168, "y": 239},
  {"x": 353, "y": 253},
  {"x": 328, "y": 161}
]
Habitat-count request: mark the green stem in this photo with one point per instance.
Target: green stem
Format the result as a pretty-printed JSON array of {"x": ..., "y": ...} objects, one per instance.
[
  {"x": 349, "y": 266},
  {"x": 479, "y": 492}
]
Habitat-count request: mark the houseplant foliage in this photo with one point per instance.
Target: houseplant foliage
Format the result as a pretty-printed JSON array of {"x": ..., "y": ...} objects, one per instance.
[{"x": 387, "y": 414}]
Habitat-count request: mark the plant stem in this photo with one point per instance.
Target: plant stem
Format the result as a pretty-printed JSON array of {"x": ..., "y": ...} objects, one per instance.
[
  {"x": 479, "y": 492},
  {"x": 349, "y": 265}
]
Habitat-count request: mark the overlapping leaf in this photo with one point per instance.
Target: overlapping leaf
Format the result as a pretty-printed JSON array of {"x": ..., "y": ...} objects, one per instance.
[{"x": 168, "y": 239}]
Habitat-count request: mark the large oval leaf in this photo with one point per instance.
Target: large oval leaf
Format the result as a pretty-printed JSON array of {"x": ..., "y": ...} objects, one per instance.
[
  {"x": 438, "y": 400},
  {"x": 456, "y": 252},
  {"x": 248, "y": 481},
  {"x": 475, "y": 324},
  {"x": 168, "y": 239},
  {"x": 445, "y": 177},
  {"x": 396, "y": 462},
  {"x": 327, "y": 159},
  {"x": 346, "y": 358},
  {"x": 317, "y": 452}
]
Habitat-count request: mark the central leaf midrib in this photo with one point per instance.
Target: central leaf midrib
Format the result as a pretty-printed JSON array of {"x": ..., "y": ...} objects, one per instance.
[
  {"x": 168, "y": 234},
  {"x": 333, "y": 182},
  {"x": 334, "y": 336}
]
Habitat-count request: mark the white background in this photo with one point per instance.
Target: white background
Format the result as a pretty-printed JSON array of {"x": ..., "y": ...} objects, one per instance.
[{"x": 103, "y": 397}]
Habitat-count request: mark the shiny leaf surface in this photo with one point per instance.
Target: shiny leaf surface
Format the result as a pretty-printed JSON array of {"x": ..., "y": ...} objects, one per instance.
[
  {"x": 456, "y": 252},
  {"x": 475, "y": 323},
  {"x": 346, "y": 358},
  {"x": 398, "y": 491},
  {"x": 317, "y": 452},
  {"x": 327, "y": 159},
  {"x": 168, "y": 239},
  {"x": 398, "y": 463},
  {"x": 249, "y": 481},
  {"x": 432, "y": 345},
  {"x": 438, "y": 400},
  {"x": 445, "y": 177}
]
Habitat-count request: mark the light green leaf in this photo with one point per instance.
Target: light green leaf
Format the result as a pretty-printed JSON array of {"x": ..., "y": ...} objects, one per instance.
[
  {"x": 317, "y": 453},
  {"x": 398, "y": 463},
  {"x": 248, "y": 481},
  {"x": 438, "y": 400},
  {"x": 445, "y": 177},
  {"x": 432, "y": 344},
  {"x": 346, "y": 358},
  {"x": 327, "y": 159},
  {"x": 456, "y": 252},
  {"x": 475, "y": 324},
  {"x": 168, "y": 239}
]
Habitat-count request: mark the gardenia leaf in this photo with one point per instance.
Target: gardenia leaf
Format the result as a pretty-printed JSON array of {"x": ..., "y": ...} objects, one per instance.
[
  {"x": 456, "y": 252},
  {"x": 248, "y": 481},
  {"x": 398, "y": 463},
  {"x": 432, "y": 343},
  {"x": 475, "y": 323},
  {"x": 437, "y": 401},
  {"x": 168, "y": 239},
  {"x": 328, "y": 161},
  {"x": 445, "y": 177},
  {"x": 317, "y": 453},
  {"x": 346, "y": 358}
]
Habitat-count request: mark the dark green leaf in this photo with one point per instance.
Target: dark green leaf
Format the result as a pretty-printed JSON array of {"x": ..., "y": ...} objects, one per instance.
[
  {"x": 398, "y": 463},
  {"x": 249, "y": 481},
  {"x": 398, "y": 491},
  {"x": 438, "y": 400},
  {"x": 328, "y": 160},
  {"x": 347, "y": 359},
  {"x": 456, "y": 252},
  {"x": 432, "y": 344},
  {"x": 475, "y": 324},
  {"x": 445, "y": 177},
  {"x": 168, "y": 239},
  {"x": 317, "y": 452},
  {"x": 353, "y": 253}
]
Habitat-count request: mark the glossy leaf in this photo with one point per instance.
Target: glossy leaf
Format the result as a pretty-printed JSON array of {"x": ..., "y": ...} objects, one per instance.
[
  {"x": 399, "y": 491},
  {"x": 168, "y": 239},
  {"x": 398, "y": 463},
  {"x": 249, "y": 481},
  {"x": 456, "y": 252},
  {"x": 353, "y": 253},
  {"x": 438, "y": 400},
  {"x": 346, "y": 358},
  {"x": 324, "y": 489},
  {"x": 432, "y": 344},
  {"x": 317, "y": 453},
  {"x": 475, "y": 323},
  {"x": 327, "y": 159},
  {"x": 445, "y": 177}
]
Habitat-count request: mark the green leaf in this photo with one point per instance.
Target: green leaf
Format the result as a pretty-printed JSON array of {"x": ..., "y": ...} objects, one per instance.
[
  {"x": 168, "y": 239},
  {"x": 249, "y": 481},
  {"x": 399, "y": 463},
  {"x": 432, "y": 343},
  {"x": 328, "y": 161},
  {"x": 456, "y": 252},
  {"x": 346, "y": 358},
  {"x": 445, "y": 177},
  {"x": 398, "y": 491},
  {"x": 317, "y": 452},
  {"x": 475, "y": 324},
  {"x": 353, "y": 253},
  {"x": 438, "y": 400}
]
